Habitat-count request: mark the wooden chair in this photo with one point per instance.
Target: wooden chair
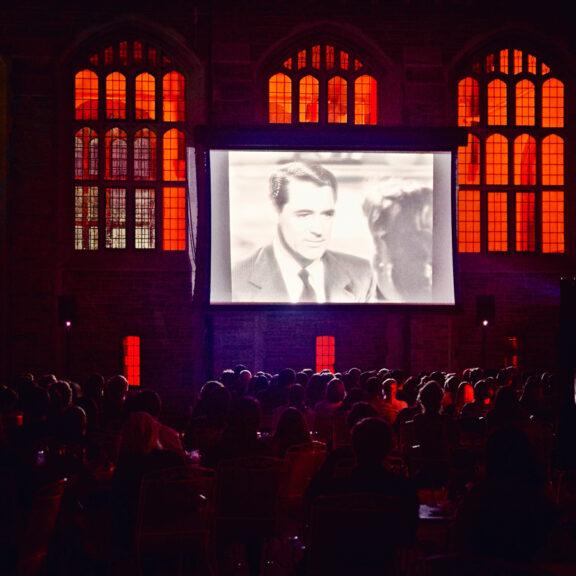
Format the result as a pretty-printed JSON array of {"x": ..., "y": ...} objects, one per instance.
[
  {"x": 8, "y": 513},
  {"x": 37, "y": 528},
  {"x": 468, "y": 565},
  {"x": 324, "y": 428},
  {"x": 361, "y": 534},
  {"x": 246, "y": 495},
  {"x": 300, "y": 464},
  {"x": 340, "y": 432},
  {"x": 471, "y": 433},
  {"x": 174, "y": 520},
  {"x": 246, "y": 506}
]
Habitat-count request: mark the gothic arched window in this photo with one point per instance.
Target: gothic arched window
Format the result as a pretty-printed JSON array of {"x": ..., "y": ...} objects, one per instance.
[
  {"x": 511, "y": 173},
  {"x": 129, "y": 144},
  {"x": 322, "y": 84}
]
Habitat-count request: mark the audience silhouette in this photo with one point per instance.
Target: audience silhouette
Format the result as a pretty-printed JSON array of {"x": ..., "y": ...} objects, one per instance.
[{"x": 495, "y": 446}]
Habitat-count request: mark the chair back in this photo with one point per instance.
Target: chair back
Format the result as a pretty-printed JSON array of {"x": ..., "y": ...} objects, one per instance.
[
  {"x": 340, "y": 432},
  {"x": 203, "y": 437},
  {"x": 406, "y": 437},
  {"x": 359, "y": 534},
  {"x": 173, "y": 512},
  {"x": 8, "y": 508},
  {"x": 471, "y": 432},
  {"x": 171, "y": 501},
  {"x": 324, "y": 427},
  {"x": 247, "y": 496},
  {"x": 300, "y": 464},
  {"x": 38, "y": 527}
]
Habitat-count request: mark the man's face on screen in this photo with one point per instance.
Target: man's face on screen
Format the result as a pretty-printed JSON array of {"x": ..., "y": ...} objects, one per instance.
[{"x": 305, "y": 221}]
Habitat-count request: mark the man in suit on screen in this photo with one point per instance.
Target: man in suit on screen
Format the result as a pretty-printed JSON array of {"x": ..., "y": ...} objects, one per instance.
[{"x": 297, "y": 265}]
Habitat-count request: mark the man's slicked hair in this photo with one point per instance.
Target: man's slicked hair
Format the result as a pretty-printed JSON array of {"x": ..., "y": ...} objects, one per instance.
[{"x": 298, "y": 170}]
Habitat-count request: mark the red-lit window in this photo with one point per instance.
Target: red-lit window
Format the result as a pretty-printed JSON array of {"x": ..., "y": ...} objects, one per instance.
[
  {"x": 325, "y": 353},
  {"x": 511, "y": 172},
  {"x": 469, "y": 161},
  {"x": 553, "y": 161},
  {"x": 309, "y": 94},
  {"x": 552, "y": 221},
  {"x": 365, "y": 101},
  {"x": 469, "y": 220},
  {"x": 115, "y": 96},
  {"x": 524, "y": 160},
  {"x": 468, "y": 102},
  {"x": 280, "y": 99},
  {"x": 497, "y": 103},
  {"x": 525, "y": 222},
  {"x": 145, "y": 108},
  {"x": 129, "y": 149},
  {"x": 322, "y": 84},
  {"x": 496, "y": 160},
  {"x": 174, "y": 218},
  {"x": 497, "y": 222},
  {"x": 173, "y": 93},
  {"x": 553, "y": 104},
  {"x": 174, "y": 165},
  {"x": 525, "y": 112},
  {"x": 86, "y": 95},
  {"x": 131, "y": 359}
]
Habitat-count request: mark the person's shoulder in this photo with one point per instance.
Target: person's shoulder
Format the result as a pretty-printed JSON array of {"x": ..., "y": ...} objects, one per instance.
[
  {"x": 251, "y": 273},
  {"x": 248, "y": 263}
]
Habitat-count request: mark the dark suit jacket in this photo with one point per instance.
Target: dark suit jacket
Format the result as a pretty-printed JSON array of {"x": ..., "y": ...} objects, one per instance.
[{"x": 258, "y": 278}]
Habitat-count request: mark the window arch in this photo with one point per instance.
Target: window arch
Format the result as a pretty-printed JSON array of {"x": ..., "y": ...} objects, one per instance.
[
  {"x": 511, "y": 172},
  {"x": 130, "y": 149},
  {"x": 322, "y": 84}
]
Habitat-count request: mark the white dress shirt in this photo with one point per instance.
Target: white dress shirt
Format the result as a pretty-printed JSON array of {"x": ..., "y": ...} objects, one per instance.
[{"x": 290, "y": 269}]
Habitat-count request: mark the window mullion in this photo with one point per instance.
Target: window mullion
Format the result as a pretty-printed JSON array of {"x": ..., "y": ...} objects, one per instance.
[
  {"x": 483, "y": 196},
  {"x": 538, "y": 193},
  {"x": 512, "y": 190}
]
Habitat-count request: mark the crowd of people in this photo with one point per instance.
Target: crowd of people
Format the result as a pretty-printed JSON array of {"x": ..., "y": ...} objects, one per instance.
[{"x": 489, "y": 444}]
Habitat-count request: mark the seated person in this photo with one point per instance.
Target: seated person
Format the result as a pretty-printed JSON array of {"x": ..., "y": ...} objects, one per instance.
[
  {"x": 371, "y": 442},
  {"x": 409, "y": 394},
  {"x": 326, "y": 409},
  {"x": 209, "y": 418},
  {"x": 140, "y": 453},
  {"x": 240, "y": 438},
  {"x": 434, "y": 435},
  {"x": 392, "y": 404},
  {"x": 292, "y": 430},
  {"x": 464, "y": 395},
  {"x": 481, "y": 403},
  {"x": 149, "y": 401},
  {"x": 506, "y": 410},
  {"x": 375, "y": 396},
  {"x": 508, "y": 515}
]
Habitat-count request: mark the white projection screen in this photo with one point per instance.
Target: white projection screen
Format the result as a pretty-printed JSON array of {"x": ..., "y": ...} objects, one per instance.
[{"x": 371, "y": 227}]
